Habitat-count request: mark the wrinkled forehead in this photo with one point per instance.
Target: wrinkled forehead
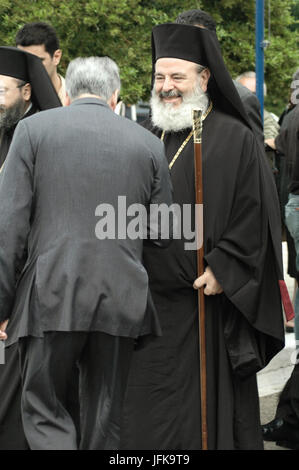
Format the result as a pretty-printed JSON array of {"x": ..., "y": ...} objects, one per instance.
[{"x": 171, "y": 65}]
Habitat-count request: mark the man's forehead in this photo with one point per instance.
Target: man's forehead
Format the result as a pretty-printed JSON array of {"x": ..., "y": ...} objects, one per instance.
[
  {"x": 174, "y": 64},
  {"x": 249, "y": 82},
  {"x": 37, "y": 49},
  {"x": 6, "y": 80}
]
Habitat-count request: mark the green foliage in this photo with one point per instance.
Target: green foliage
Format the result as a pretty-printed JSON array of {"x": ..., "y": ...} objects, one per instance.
[
  {"x": 236, "y": 32},
  {"x": 122, "y": 30}
]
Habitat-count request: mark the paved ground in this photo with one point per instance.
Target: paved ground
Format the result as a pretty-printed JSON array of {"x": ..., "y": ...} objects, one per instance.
[{"x": 272, "y": 379}]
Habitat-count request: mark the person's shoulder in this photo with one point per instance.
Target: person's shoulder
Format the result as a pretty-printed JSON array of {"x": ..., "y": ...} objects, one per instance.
[
  {"x": 292, "y": 120},
  {"x": 144, "y": 133},
  {"x": 233, "y": 134},
  {"x": 43, "y": 115},
  {"x": 245, "y": 94},
  {"x": 30, "y": 122},
  {"x": 249, "y": 99},
  {"x": 226, "y": 120},
  {"x": 44, "y": 122},
  {"x": 148, "y": 124}
]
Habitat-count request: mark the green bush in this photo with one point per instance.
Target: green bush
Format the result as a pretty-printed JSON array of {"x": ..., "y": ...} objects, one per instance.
[{"x": 122, "y": 30}]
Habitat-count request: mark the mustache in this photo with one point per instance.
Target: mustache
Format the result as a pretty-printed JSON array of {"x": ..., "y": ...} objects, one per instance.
[{"x": 170, "y": 94}]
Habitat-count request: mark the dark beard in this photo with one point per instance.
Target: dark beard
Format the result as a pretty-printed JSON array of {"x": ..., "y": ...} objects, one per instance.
[{"x": 9, "y": 117}]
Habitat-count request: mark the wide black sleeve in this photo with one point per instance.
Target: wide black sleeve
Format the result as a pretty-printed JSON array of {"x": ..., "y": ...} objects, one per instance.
[
  {"x": 244, "y": 262},
  {"x": 16, "y": 192},
  {"x": 236, "y": 255},
  {"x": 162, "y": 219}
]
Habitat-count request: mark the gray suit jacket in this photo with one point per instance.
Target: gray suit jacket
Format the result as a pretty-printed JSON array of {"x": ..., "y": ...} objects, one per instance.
[{"x": 61, "y": 165}]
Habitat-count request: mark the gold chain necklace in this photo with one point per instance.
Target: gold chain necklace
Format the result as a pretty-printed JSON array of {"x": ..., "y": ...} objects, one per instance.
[{"x": 187, "y": 138}]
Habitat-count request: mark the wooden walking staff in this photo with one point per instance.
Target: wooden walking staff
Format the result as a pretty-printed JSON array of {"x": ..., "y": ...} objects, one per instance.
[{"x": 197, "y": 136}]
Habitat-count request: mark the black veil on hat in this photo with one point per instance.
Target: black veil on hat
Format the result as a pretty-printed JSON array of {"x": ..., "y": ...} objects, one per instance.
[
  {"x": 199, "y": 45},
  {"x": 28, "y": 67}
]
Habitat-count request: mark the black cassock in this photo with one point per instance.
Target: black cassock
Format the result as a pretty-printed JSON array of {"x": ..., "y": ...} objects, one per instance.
[
  {"x": 11, "y": 428},
  {"x": 244, "y": 326}
]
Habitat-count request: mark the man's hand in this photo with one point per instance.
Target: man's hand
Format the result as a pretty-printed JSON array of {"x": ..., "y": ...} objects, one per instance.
[
  {"x": 3, "y": 335},
  {"x": 209, "y": 280},
  {"x": 271, "y": 143}
]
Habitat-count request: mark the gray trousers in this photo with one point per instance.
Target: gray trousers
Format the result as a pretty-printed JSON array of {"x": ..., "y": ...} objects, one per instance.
[{"x": 47, "y": 364}]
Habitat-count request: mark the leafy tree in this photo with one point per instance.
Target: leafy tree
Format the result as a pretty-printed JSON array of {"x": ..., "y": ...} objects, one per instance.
[
  {"x": 295, "y": 14},
  {"x": 236, "y": 32},
  {"x": 122, "y": 30},
  {"x": 118, "y": 28}
]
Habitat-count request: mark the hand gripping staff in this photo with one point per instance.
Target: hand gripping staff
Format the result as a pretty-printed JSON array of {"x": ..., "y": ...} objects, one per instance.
[{"x": 197, "y": 137}]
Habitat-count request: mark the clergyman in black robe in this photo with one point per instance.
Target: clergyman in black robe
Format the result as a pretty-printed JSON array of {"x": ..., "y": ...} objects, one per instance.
[
  {"x": 19, "y": 72},
  {"x": 242, "y": 244},
  {"x": 284, "y": 429}
]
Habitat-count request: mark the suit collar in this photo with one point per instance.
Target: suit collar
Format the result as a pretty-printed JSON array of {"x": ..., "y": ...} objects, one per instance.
[{"x": 96, "y": 101}]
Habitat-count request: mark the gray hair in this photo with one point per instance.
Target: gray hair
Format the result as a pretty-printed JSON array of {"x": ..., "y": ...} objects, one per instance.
[
  {"x": 200, "y": 68},
  {"x": 93, "y": 75},
  {"x": 251, "y": 74}
]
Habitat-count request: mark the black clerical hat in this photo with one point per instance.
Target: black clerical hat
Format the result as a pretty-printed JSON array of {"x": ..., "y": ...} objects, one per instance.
[
  {"x": 201, "y": 46},
  {"x": 28, "y": 67}
]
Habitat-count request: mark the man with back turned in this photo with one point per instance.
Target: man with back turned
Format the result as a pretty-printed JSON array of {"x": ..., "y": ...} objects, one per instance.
[{"x": 81, "y": 298}]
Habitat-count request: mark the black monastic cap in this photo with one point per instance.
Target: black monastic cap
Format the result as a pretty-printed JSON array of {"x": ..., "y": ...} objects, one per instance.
[
  {"x": 25, "y": 66},
  {"x": 181, "y": 43},
  {"x": 200, "y": 46}
]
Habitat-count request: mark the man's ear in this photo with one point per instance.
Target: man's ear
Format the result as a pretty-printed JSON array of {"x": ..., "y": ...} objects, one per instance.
[
  {"x": 204, "y": 79},
  {"x": 67, "y": 100},
  {"x": 113, "y": 100},
  {"x": 26, "y": 92},
  {"x": 57, "y": 56}
]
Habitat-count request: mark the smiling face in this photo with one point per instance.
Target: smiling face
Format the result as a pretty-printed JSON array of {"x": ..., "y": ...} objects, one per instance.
[
  {"x": 175, "y": 78},
  {"x": 180, "y": 86}
]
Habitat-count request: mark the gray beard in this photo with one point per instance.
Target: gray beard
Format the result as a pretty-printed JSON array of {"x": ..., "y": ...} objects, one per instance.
[
  {"x": 9, "y": 117},
  {"x": 174, "y": 119}
]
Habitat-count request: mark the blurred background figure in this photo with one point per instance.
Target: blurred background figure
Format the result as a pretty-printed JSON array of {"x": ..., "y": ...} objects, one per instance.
[
  {"x": 284, "y": 429},
  {"x": 40, "y": 39},
  {"x": 286, "y": 155},
  {"x": 271, "y": 126}
]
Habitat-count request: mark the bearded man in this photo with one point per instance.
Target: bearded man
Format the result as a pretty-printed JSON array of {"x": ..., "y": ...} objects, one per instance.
[
  {"x": 244, "y": 321},
  {"x": 13, "y": 105},
  {"x": 202, "y": 19},
  {"x": 25, "y": 88},
  {"x": 22, "y": 84},
  {"x": 15, "y": 101}
]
